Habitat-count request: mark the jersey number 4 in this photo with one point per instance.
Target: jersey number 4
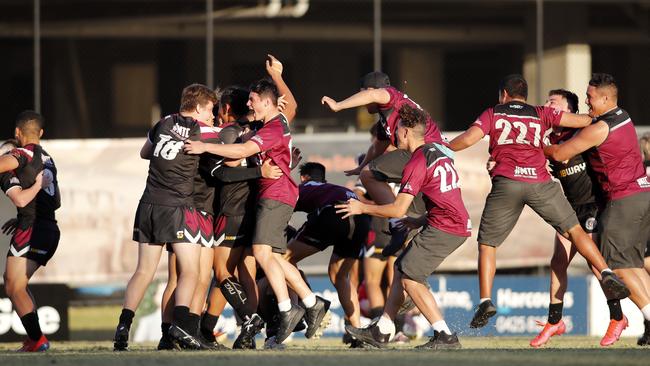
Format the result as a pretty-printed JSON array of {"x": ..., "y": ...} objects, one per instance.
[
  {"x": 523, "y": 130},
  {"x": 167, "y": 148}
]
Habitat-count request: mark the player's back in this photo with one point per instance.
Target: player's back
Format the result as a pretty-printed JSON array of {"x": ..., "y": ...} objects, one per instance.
[
  {"x": 316, "y": 195},
  {"x": 516, "y": 132},
  {"x": 617, "y": 161},
  {"x": 171, "y": 171}
]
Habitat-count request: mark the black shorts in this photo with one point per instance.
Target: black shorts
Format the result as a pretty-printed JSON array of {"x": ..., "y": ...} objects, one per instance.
[
  {"x": 158, "y": 224},
  {"x": 623, "y": 231},
  {"x": 426, "y": 251},
  {"x": 35, "y": 240},
  {"x": 271, "y": 220},
  {"x": 234, "y": 231},
  {"x": 325, "y": 227},
  {"x": 587, "y": 216},
  {"x": 378, "y": 237}
]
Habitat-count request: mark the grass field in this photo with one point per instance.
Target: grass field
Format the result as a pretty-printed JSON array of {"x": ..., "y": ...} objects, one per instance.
[{"x": 476, "y": 351}]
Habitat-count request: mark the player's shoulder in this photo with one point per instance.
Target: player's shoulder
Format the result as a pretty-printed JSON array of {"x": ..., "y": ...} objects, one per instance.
[
  {"x": 434, "y": 152},
  {"x": 615, "y": 117},
  {"x": 516, "y": 109}
]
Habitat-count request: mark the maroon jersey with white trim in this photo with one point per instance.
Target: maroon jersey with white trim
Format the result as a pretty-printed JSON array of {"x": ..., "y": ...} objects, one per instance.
[
  {"x": 389, "y": 118},
  {"x": 431, "y": 171},
  {"x": 316, "y": 195},
  {"x": 516, "y": 133},
  {"x": 617, "y": 161},
  {"x": 274, "y": 141}
]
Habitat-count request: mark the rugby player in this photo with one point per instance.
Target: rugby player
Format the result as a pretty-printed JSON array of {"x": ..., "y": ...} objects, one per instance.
[
  {"x": 276, "y": 200},
  {"x": 516, "y": 131},
  {"x": 431, "y": 171},
  {"x": 167, "y": 214},
  {"x": 615, "y": 157},
  {"x": 33, "y": 187}
]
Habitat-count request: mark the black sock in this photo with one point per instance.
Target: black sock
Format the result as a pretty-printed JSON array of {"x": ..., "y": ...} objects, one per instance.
[
  {"x": 126, "y": 317},
  {"x": 555, "y": 312},
  {"x": 181, "y": 315},
  {"x": 164, "y": 328},
  {"x": 193, "y": 321},
  {"x": 399, "y": 322},
  {"x": 234, "y": 293},
  {"x": 376, "y": 312},
  {"x": 615, "y": 311},
  {"x": 646, "y": 325},
  {"x": 33, "y": 329},
  {"x": 208, "y": 323}
]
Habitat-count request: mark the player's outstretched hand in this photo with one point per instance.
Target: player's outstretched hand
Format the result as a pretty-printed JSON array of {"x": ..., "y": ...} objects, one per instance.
[
  {"x": 194, "y": 147},
  {"x": 355, "y": 171},
  {"x": 331, "y": 103},
  {"x": 271, "y": 171},
  {"x": 296, "y": 156},
  {"x": 9, "y": 227},
  {"x": 491, "y": 163},
  {"x": 282, "y": 103},
  {"x": 350, "y": 208},
  {"x": 39, "y": 180},
  {"x": 273, "y": 66}
]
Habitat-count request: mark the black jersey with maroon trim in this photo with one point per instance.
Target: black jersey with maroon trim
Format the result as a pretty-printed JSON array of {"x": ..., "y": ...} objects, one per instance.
[
  {"x": 238, "y": 197},
  {"x": 577, "y": 178},
  {"x": 204, "y": 184},
  {"x": 316, "y": 195},
  {"x": 171, "y": 171}
]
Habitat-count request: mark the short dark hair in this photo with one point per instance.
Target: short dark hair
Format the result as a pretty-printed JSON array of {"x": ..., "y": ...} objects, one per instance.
[
  {"x": 603, "y": 80},
  {"x": 375, "y": 80},
  {"x": 29, "y": 122},
  {"x": 266, "y": 89},
  {"x": 196, "y": 94},
  {"x": 315, "y": 171},
  {"x": 412, "y": 117},
  {"x": 571, "y": 98},
  {"x": 515, "y": 85},
  {"x": 237, "y": 98}
]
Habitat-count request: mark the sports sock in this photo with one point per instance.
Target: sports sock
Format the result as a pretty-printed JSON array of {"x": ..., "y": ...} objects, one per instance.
[
  {"x": 484, "y": 299},
  {"x": 400, "y": 319},
  {"x": 386, "y": 326},
  {"x": 181, "y": 315},
  {"x": 376, "y": 312},
  {"x": 615, "y": 311},
  {"x": 646, "y": 312},
  {"x": 33, "y": 329},
  {"x": 126, "y": 317},
  {"x": 441, "y": 326},
  {"x": 208, "y": 323},
  {"x": 284, "y": 305},
  {"x": 606, "y": 270},
  {"x": 309, "y": 301},
  {"x": 555, "y": 312},
  {"x": 193, "y": 321},
  {"x": 234, "y": 293},
  {"x": 164, "y": 328}
]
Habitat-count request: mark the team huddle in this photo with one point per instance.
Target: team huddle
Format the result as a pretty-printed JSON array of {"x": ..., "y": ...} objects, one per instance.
[{"x": 219, "y": 197}]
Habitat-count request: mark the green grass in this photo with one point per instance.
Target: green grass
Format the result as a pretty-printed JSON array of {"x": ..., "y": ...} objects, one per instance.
[{"x": 566, "y": 350}]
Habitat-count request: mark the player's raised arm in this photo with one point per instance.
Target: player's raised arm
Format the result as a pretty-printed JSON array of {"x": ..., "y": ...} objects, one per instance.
[
  {"x": 274, "y": 68},
  {"x": 22, "y": 197},
  {"x": 466, "y": 139},
  {"x": 575, "y": 120},
  {"x": 364, "y": 97},
  {"x": 231, "y": 151},
  {"x": 395, "y": 209},
  {"x": 588, "y": 137}
]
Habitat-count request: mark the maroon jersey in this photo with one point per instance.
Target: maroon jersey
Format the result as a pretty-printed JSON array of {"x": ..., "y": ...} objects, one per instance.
[
  {"x": 389, "y": 118},
  {"x": 431, "y": 171},
  {"x": 516, "y": 133},
  {"x": 617, "y": 161},
  {"x": 274, "y": 141},
  {"x": 316, "y": 195}
]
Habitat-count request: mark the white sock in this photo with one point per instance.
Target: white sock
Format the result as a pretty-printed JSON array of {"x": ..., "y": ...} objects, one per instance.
[
  {"x": 309, "y": 300},
  {"x": 441, "y": 326},
  {"x": 606, "y": 270},
  {"x": 646, "y": 312},
  {"x": 483, "y": 299},
  {"x": 386, "y": 326},
  {"x": 284, "y": 305}
]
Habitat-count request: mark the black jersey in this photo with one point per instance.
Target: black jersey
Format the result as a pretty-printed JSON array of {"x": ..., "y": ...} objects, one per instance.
[
  {"x": 237, "y": 197},
  {"x": 575, "y": 175},
  {"x": 32, "y": 159},
  {"x": 316, "y": 195},
  {"x": 204, "y": 184},
  {"x": 171, "y": 171}
]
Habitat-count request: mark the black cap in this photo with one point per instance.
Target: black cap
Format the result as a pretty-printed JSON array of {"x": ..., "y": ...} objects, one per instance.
[{"x": 375, "y": 79}]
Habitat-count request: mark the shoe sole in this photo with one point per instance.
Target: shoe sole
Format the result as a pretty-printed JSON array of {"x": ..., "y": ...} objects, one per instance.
[
  {"x": 480, "y": 322},
  {"x": 361, "y": 337},
  {"x": 319, "y": 321},
  {"x": 327, "y": 320},
  {"x": 616, "y": 289},
  {"x": 441, "y": 347},
  {"x": 120, "y": 347}
]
